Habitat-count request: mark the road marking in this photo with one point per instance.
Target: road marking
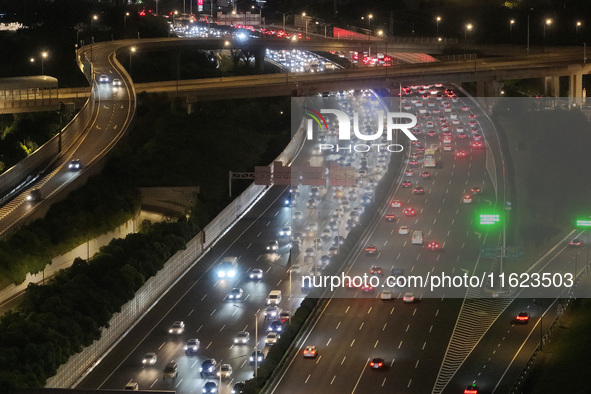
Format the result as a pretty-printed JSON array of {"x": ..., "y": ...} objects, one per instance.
[
  {"x": 400, "y": 344},
  {"x": 415, "y": 311},
  {"x": 437, "y": 313},
  {"x": 418, "y": 255},
  {"x": 249, "y": 245},
  {"x": 439, "y": 210},
  {"x": 259, "y": 234},
  {"x": 203, "y": 297},
  {"x": 384, "y": 382},
  {"x": 370, "y": 308},
  {"x": 417, "y": 364},
  {"x": 338, "y": 325},
  {"x": 392, "y": 311},
  {"x": 308, "y": 378},
  {"x": 222, "y": 328},
  {"x": 448, "y": 231},
  {"x": 397, "y": 257},
  {"x": 347, "y": 310},
  {"x": 352, "y": 342},
  {"x": 280, "y": 280},
  {"x": 208, "y": 345},
  {"x": 268, "y": 223},
  {"x": 384, "y": 328},
  {"x": 362, "y": 371},
  {"x": 343, "y": 361},
  {"x": 318, "y": 360},
  {"x": 376, "y": 344},
  {"x": 190, "y": 312},
  {"x": 412, "y": 268},
  {"x": 163, "y": 343},
  {"x": 409, "y": 382},
  {"x": 327, "y": 343},
  {"x": 276, "y": 213},
  {"x": 200, "y": 327},
  {"x": 333, "y": 378},
  {"x": 212, "y": 312},
  {"x": 153, "y": 383},
  {"x": 361, "y": 326},
  {"x": 177, "y": 385},
  {"x": 385, "y": 243},
  {"x": 424, "y": 344},
  {"x": 242, "y": 366},
  {"x": 407, "y": 327}
]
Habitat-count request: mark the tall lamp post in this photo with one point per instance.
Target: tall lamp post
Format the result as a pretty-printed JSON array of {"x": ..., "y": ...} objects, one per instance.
[
  {"x": 306, "y": 21},
  {"x": 125, "y": 24},
  {"x": 511, "y": 23},
  {"x": 131, "y": 52},
  {"x": 92, "y": 19},
  {"x": 43, "y": 55},
  {"x": 548, "y": 22},
  {"x": 468, "y": 28},
  {"x": 256, "y": 338},
  {"x": 369, "y": 18},
  {"x": 437, "y": 20},
  {"x": 578, "y": 26}
]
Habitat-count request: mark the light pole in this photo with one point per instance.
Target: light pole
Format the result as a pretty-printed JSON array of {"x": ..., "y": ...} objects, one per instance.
[
  {"x": 256, "y": 337},
  {"x": 578, "y": 26},
  {"x": 92, "y": 19},
  {"x": 369, "y": 18},
  {"x": 43, "y": 57},
  {"x": 131, "y": 52},
  {"x": 306, "y": 21},
  {"x": 156, "y": 1},
  {"x": 511, "y": 23},
  {"x": 548, "y": 22},
  {"x": 541, "y": 329},
  {"x": 437, "y": 20},
  {"x": 125, "y": 24},
  {"x": 468, "y": 28}
]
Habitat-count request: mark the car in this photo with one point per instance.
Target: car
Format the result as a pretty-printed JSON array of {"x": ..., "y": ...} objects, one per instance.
[
  {"x": 477, "y": 145},
  {"x": 371, "y": 249},
  {"x": 272, "y": 338},
  {"x": 238, "y": 388},
  {"x": 460, "y": 153},
  {"x": 433, "y": 245},
  {"x": 210, "y": 387},
  {"x": 257, "y": 357},
  {"x": 462, "y": 135},
  {"x": 409, "y": 173},
  {"x": 467, "y": 199},
  {"x": 285, "y": 231},
  {"x": 333, "y": 251},
  {"x": 404, "y": 230},
  {"x": 465, "y": 108},
  {"x": 390, "y": 217},
  {"x": 298, "y": 215},
  {"x": 406, "y": 183},
  {"x": 395, "y": 204},
  {"x": 426, "y": 175},
  {"x": 338, "y": 240},
  {"x": 311, "y": 204},
  {"x": 296, "y": 246},
  {"x": 171, "y": 370},
  {"x": 475, "y": 190},
  {"x": 420, "y": 149},
  {"x": 476, "y": 137},
  {"x": 472, "y": 389},
  {"x": 418, "y": 190},
  {"x": 177, "y": 328},
  {"x": 310, "y": 252},
  {"x": 75, "y": 165},
  {"x": 289, "y": 201},
  {"x": 311, "y": 229},
  {"x": 522, "y": 318},
  {"x": 367, "y": 288},
  {"x": 273, "y": 246},
  {"x": 103, "y": 79},
  {"x": 310, "y": 351},
  {"x": 225, "y": 371},
  {"x": 446, "y": 140},
  {"x": 409, "y": 212},
  {"x": 132, "y": 386},
  {"x": 575, "y": 243},
  {"x": 235, "y": 294},
  {"x": 317, "y": 243},
  {"x": 431, "y": 133},
  {"x": 409, "y": 298},
  {"x": 34, "y": 195},
  {"x": 413, "y": 163},
  {"x": 275, "y": 326},
  {"x": 447, "y": 148},
  {"x": 116, "y": 82},
  {"x": 242, "y": 338},
  {"x": 414, "y": 156},
  {"x": 284, "y": 317},
  {"x": 376, "y": 270},
  {"x": 256, "y": 273},
  {"x": 377, "y": 363},
  {"x": 386, "y": 295},
  {"x": 149, "y": 359},
  {"x": 208, "y": 367},
  {"x": 271, "y": 312},
  {"x": 192, "y": 346}
]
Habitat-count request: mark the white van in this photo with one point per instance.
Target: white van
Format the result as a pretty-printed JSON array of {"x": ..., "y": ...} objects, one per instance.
[
  {"x": 274, "y": 297},
  {"x": 417, "y": 237}
]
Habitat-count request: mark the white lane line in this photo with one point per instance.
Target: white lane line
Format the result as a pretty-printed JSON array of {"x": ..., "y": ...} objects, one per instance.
[
  {"x": 392, "y": 310},
  {"x": 259, "y": 234},
  {"x": 249, "y": 245},
  {"x": 384, "y": 382},
  {"x": 437, "y": 313},
  {"x": 352, "y": 342},
  {"x": 212, "y": 312},
  {"x": 360, "y": 375},
  {"x": 268, "y": 223},
  {"x": 376, "y": 344},
  {"x": 407, "y": 327},
  {"x": 202, "y": 298},
  {"x": 343, "y": 361},
  {"x": 333, "y": 378},
  {"x": 400, "y": 344},
  {"x": 200, "y": 327},
  {"x": 370, "y": 308},
  {"x": 308, "y": 378},
  {"x": 361, "y": 326},
  {"x": 417, "y": 364},
  {"x": 318, "y": 360},
  {"x": 163, "y": 343},
  {"x": 384, "y": 328},
  {"x": 328, "y": 343},
  {"x": 347, "y": 310},
  {"x": 424, "y": 344},
  {"x": 208, "y": 345},
  {"x": 190, "y": 312},
  {"x": 222, "y": 328},
  {"x": 338, "y": 325},
  {"x": 409, "y": 382}
]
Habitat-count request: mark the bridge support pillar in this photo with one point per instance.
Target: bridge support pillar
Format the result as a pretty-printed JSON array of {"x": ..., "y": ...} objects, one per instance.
[
  {"x": 488, "y": 88},
  {"x": 552, "y": 86},
  {"x": 259, "y": 60},
  {"x": 575, "y": 88}
]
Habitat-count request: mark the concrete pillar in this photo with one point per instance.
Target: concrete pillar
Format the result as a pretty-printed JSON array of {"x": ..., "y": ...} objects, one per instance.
[
  {"x": 488, "y": 88},
  {"x": 575, "y": 88},
  {"x": 552, "y": 86},
  {"x": 259, "y": 60}
]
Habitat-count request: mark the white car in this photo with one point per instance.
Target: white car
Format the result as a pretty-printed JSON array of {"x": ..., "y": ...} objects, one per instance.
[
  {"x": 310, "y": 252},
  {"x": 256, "y": 273},
  {"x": 242, "y": 338},
  {"x": 103, "y": 79},
  {"x": 177, "y": 328},
  {"x": 409, "y": 298},
  {"x": 272, "y": 338},
  {"x": 116, "y": 82},
  {"x": 404, "y": 230},
  {"x": 273, "y": 246},
  {"x": 298, "y": 215},
  {"x": 225, "y": 371},
  {"x": 386, "y": 295},
  {"x": 150, "y": 359},
  {"x": 285, "y": 231},
  {"x": 447, "y": 148}
]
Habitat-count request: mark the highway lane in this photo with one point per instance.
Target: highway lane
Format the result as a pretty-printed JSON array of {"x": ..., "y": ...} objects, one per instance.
[
  {"x": 113, "y": 111},
  {"x": 406, "y": 335},
  {"x": 198, "y": 300}
]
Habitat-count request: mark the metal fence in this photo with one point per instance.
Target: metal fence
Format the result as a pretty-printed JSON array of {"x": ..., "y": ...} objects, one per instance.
[{"x": 76, "y": 368}]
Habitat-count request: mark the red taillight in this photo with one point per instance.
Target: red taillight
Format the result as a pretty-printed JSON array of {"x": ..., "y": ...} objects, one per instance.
[
  {"x": 470, "y": 391},
  {"x": 371, "y": 364}
]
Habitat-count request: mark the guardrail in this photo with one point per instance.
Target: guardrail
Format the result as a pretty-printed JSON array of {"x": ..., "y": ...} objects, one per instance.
[{"x": 79, "y": 365}]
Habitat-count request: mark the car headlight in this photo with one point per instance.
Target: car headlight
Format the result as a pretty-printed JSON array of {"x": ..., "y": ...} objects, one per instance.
[
  {"x": 170, "y": 331},
  {"x": 186, "y": 348},
  {"x": 200, "y": 369},
  {"x": 231, "y": 273},
  {"x": 221, "y": 274}
]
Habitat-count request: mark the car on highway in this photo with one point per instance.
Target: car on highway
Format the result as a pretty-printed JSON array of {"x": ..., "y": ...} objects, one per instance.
[
  {"x": 192, "y": 346},
  {"x": 235, "y": 294},
  {"x": 447, "y": 148},
  {"x": 271, "y": 312},
  {"x": 333, "y": 251},
  {"x": 257, "y": 357},
  {"x": 472, "y": 389},
  {"x": 377, "y": 363},
  {"x": 433, "y": 245},
  {"x": 275, "y": 326},
  {"x": 34, "y": 195},
  {"x": 103, "y": 79},
  {"x": 298, "y": 215},
  {"x": 462, "y": 135},
  {"x": 420, "y": 149},
  {"x": 409, "y": 211},
  {"x": 208, "y": 367},
  {"x": 225, "y": 371},
  {"x": 409, "y": 173},
  {"x": 404, "y": 230},
  {"x": 522, "y": 318},
  {"x": 177, "y": 328},
  {"x": 395, "y": 204},
  {"x": 116, "y": 83},
  {"x": 210, "y": 387},
  {"x": 467, "y": 199},
  {"x": 367, "y": 288},
  {"x": 75, "y": 165},
  {"x": 256, "y": 273},
  {"x": 386, "y": 295},
  {"x": 477, "y": 145},
  {"x": 310, "y": 252},
  {"x": 371, "y": 249},
  {"x": 413, "y": 163},
  {"x": 475, "y": 190},
  {"x": 272, "y": 246},
  {"x": 406, "y": 183},
  {"x": 461, "y": 153},
  {"x": 149, "y": 359},
  {"x": 431, "y": 133},
  {"x": 311, "y": 204},
  {"x": 376, "y": 270},
  {"x": 575, "y": 243},
  {"x": 242, "y": 338},
  {"x": 426, "y": 175},
  {"x": 284, "y": 317},
  {"x": 272, "y": 338},
  {"x": 446, "y": 140},
  {"x": 310, "y": 351},
  {"x": 171, "y": 370},
  {"x": 317, "y": 243},
  {"x": 238, "y": 388},
  {"x": 408, "y": 298},
  {"x": 132, "y": 386},
  {"x": 418, "y": 190},
  {"x": 285, "y": 231},
  {"x": 390, "y": 217}
]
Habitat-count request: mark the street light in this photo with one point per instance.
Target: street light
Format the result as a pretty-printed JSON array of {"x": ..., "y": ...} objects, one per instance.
[
  {"x": 43, "y": 57},
  {"x": 305, "y": 20},
  {"x": 256, "y": 338},
  {"x": 369, "y": 18},
  {"x": 511, "y": 23},
  {"x": 125, "y": 24},
  {"x": 548, "y": 22},
  {"x": 173, "y": 14},
  {"x": 131, "y": 52},
  {"x": 437, "y": 20},
  {"x": 468, "y": 28},
  {"x": 578, "y": 26},
  {"x": 92, "y": 19}
]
